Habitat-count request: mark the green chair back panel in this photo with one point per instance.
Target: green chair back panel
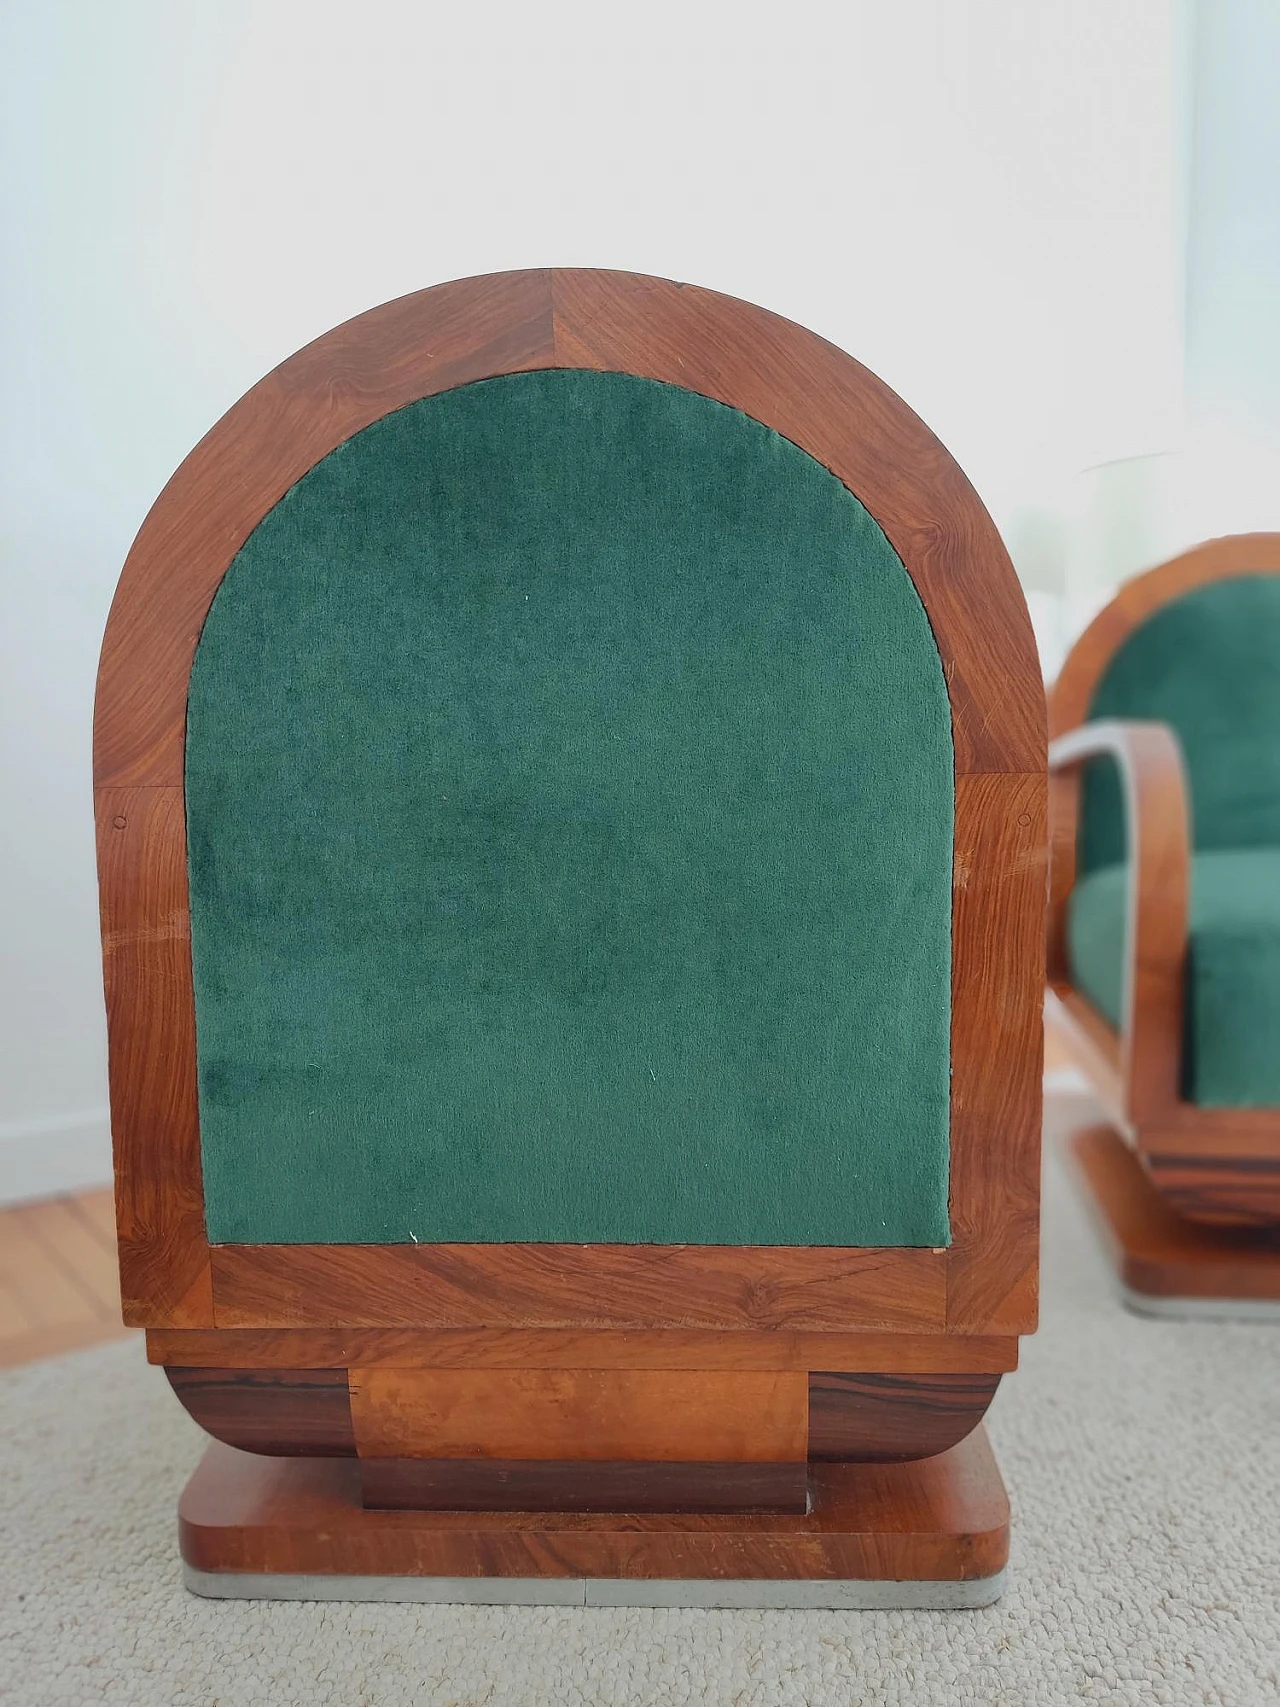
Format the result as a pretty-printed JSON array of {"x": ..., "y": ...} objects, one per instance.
[
  {"x": 570, "y": 807},
  {"x": 1209, "y": 664}
]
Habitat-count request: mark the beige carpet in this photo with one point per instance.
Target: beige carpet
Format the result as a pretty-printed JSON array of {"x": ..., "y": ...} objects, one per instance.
[{"x": 1143, "y": 1459}]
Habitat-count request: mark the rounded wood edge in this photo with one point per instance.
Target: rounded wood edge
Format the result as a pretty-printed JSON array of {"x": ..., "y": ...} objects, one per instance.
[
  {"x": 891, "y": 1419},
  {"x": 468, "y": 329},
  {"x": 941, "y": 1518},
  {"x": 273, "y": 1412},
  {"x": 1137, "y": 599}
]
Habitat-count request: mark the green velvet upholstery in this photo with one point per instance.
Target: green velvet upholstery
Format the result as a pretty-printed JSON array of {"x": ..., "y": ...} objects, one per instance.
[
  {"x": 1231, "y": 1045},
  {"x": 570, "y": 804},
  {"x": 1208, "y": 664}
]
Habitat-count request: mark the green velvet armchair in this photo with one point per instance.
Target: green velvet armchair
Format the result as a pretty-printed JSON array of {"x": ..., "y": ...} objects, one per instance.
[
  {"x": 1164, "y": 952},
  {"x": 571, "y": 800}
]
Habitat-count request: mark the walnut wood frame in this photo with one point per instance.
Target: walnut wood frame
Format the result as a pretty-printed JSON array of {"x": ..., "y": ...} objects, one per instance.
[
  {"x": 930, "y": 1304},
  {"x": 1217, "y": 1165}
]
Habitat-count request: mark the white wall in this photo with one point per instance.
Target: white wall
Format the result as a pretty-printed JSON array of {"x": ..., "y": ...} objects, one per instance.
[
  {"x": 976, "y": 197},
  {"x": 1220, "y": 472}
]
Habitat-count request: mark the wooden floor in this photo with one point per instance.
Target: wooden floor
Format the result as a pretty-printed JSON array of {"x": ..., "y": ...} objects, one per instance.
[{"x": 58, "y": 1286}]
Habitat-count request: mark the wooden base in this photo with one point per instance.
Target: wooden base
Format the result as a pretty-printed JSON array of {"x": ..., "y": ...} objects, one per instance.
[
  {"x": 1169, "y": 1266},
  {"x": 247, "y": 1521}
]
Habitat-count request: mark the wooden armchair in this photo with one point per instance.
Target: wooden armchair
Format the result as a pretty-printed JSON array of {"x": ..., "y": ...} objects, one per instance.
[
  {"x": 1164, "y": 934},
  {"x": 571, "y": 797}
]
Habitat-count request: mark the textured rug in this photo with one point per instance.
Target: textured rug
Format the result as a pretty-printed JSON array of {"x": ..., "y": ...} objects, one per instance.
[{"x": 1143, "y": 1459}]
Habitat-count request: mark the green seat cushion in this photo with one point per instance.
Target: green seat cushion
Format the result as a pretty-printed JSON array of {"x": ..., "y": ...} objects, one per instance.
[
  {"x": 1231, "y": 1051},
  {"x": 570, "y": 805}
]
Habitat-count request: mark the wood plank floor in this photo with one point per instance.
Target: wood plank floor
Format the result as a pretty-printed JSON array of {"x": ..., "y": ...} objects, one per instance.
[
  {"x": 59, "y": 1290},
  {"x": 58, "y": 1286}
]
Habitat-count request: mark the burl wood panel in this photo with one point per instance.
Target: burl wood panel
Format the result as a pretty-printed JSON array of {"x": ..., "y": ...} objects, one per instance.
[
  {"x": 557, "y": 1348},
  {"x": 676, "y": 1416},
  {"x": 494, "y": 1484},
  {"x": 891, "y": 1419},
  {"x": 841, "y": 414},
  {"x": 943, "y": 1518},
  {"x": 1215, "y": 1165},
  {"x": 290, "y": 1411},
  {"x": 1159, "y": 1252}
]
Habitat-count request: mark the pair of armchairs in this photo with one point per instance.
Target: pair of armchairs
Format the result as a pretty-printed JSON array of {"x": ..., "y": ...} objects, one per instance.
[
  {"x": 570, "y": 780},
  {"x": 1164, "y": 946}
]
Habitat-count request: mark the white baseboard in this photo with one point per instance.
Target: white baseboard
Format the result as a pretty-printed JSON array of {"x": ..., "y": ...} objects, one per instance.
[{"x": 41, "y": 1158}]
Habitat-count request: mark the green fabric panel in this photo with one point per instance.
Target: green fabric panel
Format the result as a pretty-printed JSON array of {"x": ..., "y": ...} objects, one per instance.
[
  {"x": 570, "y": 797},
  {"x": 1209, "y": 664},
  {"x": 1232, "y": 1034}
]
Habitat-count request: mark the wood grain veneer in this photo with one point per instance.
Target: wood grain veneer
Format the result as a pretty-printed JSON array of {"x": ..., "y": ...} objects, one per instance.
[
  {"x": 673, "y": 1416},
  {"x": 556, "y": 1348},
  {"x": 1160, "y": 1254},
  {"x": 891, "y": 1419},
  {"x": 944, "y": 1518}
]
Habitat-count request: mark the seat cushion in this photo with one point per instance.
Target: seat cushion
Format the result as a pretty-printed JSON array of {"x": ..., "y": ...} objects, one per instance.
[{"x": 1231, "y": 1047}]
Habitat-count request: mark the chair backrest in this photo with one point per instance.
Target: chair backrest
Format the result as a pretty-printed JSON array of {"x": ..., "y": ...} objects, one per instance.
[
  {"x": 1194, "y": 643},
  {"x": 587, "y": 727}
]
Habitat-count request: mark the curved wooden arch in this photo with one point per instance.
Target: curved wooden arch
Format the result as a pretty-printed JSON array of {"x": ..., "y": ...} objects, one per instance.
[
  {"x": 830, "y": 406},
  {"x": 1087, "y": 662},
  {"x": 1216, "y": 1165}
]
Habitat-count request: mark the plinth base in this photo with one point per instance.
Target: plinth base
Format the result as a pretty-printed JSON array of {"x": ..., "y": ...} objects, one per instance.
[
  {"x": 929, "y": 1534},
  {"x": 1167, "y": 1265}
]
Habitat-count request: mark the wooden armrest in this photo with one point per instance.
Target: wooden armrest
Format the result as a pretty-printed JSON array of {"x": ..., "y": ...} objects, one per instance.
[{"x": 1157, "y": 818}]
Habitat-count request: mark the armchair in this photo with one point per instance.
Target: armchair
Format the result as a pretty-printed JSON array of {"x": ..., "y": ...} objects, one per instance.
[
  {"x": 571, "y": 803},
  {"x": 1164, "y": 936}
]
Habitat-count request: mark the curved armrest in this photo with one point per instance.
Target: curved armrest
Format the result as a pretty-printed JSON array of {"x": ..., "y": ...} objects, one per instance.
[{"x": 1158, "y": 821}]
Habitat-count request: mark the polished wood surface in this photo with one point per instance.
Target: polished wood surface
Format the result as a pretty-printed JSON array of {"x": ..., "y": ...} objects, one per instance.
[
  {"x": 945, "y": 1518},
  {"x": 623, "y": 1418},
  {"x": 672, "y": 1415},
  {"x": 1220, "y": 1166},
  {"x": 290, "y": 1411},
  {"x": 997, "y": 1043},
  {"x": 576, "y": 1484},
  {"x": 537, "y": 1348},
  {"x": 165, "y": 1277},
  {"x": 893, "y": 1418},
  {"x": 1158, "y": 820},
  {"x": 59, "y": 1289},
  {"x": 577, "y": 1286},
  {"x": 1160, "y": 1253}
]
